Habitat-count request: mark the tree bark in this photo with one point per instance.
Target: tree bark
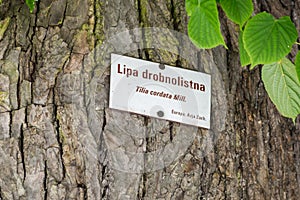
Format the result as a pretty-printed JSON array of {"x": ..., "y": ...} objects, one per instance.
[{"x": 59, "y": 139}]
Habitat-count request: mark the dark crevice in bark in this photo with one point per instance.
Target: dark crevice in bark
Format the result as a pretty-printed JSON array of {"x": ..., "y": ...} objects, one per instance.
[
  {"x": 34, "y": 61},
  {"x": 31, "y": 75},
  {"x": 84, "y": 188},
  {"x": 105, "y": 189},
  {"x": 140, "y": 53},
  {"x": 103, "y": 171},
  {"x": 10, "y": 124},
  {"x": 1, "y": 198},
  {"x": 58, "y": 130},
  {"x": 104, "y": 121},
  {"x": 101, "y": 141},
  {"x": 60, "y": 144},
  {"x": 22, "y": 151},
  {"x": 171, "y": 124},
  {"x": 45, "y": 181},
  {"x": 37, "y": 5},
  {"x": 174, "y": 17},
  {"x": 26, "y": 118},
  {"x": 144, "y": 176},
  {"x": 144, "y": 191},
  {"x": 18, "y": 87},
  {"x": 101, "y": 146},
  {"x": 57, "y": 125},
  {"x": 147, "y": 56},
  {"x": 95, "y": 24},
  {"x": 64, "y": 16}
]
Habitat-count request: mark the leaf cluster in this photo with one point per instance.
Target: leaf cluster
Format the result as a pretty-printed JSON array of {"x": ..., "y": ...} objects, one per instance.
[{"x": 263, "y": 40}]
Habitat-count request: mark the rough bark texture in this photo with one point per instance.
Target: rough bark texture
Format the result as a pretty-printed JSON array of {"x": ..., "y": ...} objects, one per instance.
[{"x": 59, "y": 139}]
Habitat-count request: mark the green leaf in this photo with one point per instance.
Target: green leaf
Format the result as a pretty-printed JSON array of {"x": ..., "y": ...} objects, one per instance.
[
  {"x": 244, "y": 57},
  {"x": 268, "y": 40},
  {"x": 190, "y": 6},
  {"x": 283, "y": 87},
  {"x": 30, "y": 4},
  {"x": 204, "y": 25},
  {"x": 239, "y": 11},
  {"x": 297, "y": 63}
]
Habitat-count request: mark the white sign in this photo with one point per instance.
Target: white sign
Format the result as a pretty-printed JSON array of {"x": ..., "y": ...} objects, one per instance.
[{"x": 160, "y": 91}]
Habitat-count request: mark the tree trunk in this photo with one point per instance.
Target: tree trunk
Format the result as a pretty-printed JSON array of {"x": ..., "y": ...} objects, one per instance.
[{"x": 59, "y": 139}]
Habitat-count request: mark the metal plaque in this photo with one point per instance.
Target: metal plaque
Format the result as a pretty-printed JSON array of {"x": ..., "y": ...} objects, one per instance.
[{"x": 160, "y": 91}]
